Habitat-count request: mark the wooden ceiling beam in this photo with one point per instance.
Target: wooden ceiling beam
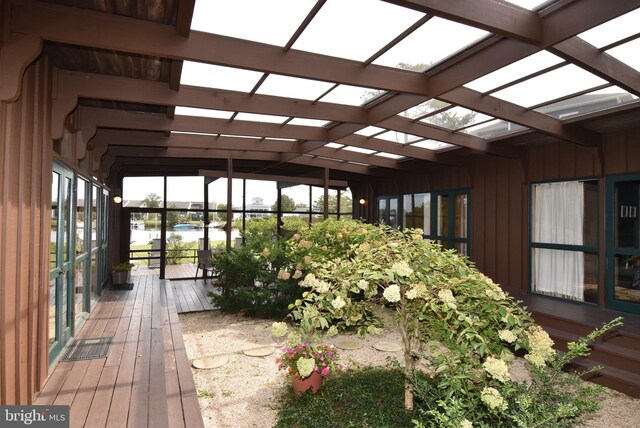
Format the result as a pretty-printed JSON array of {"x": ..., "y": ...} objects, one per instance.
[
  {"x": 601, "y": 64},
  {"x": 495, "y": 17},
  {"x": 279, "y": 178}
]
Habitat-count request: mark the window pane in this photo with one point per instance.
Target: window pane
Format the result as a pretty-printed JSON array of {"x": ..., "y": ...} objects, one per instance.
[
  {"x": 627, "y": 278},
  {"x": 147, "y": 192},
  {"x": 186, "y": 193},
  {"x": 443, "y": 215},
  {"x": 346, "y": 203},
  {"x": 627, "y": 200},
  {"x": 393, "y": 212},
  {"x": 80, "y": 214},
  {"x": 417, "y": 211},
  {"x": 461, "y": 216},
  {"x": 565, "y": 213},
  {"x": 382, "y": 211},
  {"x": 566, "y": 274}
]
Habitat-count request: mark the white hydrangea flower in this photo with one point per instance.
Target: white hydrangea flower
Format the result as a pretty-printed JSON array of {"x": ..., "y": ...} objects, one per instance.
[
  {"x": 321, "y": 287},
  {"x": 305, "y": 366},
  {"x": 466, "y": 424},
  {"x": 412, "y": 294},
  {"x": 338, "y": 303},
  {"x": 446, "y": 296},
  {"x": 363, "y": 284},
  {"x": 492, "y": 398},
  {"x": 333, "y": 331},
  {"x": 497, "y": 369},
  {"x": 401, "y": 268},
  {"x": 279, "y": 329},
  {"x": 392, "y": 293},
  {"x": 507, "y": 336}
]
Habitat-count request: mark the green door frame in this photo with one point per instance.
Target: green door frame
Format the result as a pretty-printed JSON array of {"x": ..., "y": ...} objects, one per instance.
[
  {"x": 610, "y": 250},
  {"x": 63, "y": 271}
]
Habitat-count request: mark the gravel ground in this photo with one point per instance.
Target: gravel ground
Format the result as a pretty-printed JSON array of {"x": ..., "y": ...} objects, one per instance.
[{"x": 244, "y": 392}]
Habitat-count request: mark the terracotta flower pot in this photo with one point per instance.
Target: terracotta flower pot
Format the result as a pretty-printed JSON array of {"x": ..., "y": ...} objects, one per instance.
[{"x": 313, "y": 383}]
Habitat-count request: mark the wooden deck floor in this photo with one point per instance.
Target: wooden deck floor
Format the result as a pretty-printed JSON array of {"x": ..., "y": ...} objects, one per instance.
[
  {"x": 191, "y": 295},
  {"x": 146, "y": 380}
]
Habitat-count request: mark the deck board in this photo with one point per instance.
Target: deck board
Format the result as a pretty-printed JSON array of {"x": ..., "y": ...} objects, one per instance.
[
  {"x": 191, "y": 295},
  {"x": 146, "y": 380}
]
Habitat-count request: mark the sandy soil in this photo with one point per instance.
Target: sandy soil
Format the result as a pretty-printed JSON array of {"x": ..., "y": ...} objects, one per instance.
[{"x": 244, "y": 392}]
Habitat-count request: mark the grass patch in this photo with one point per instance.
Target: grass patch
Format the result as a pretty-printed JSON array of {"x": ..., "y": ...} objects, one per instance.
[{"x": 370, "y": 397}]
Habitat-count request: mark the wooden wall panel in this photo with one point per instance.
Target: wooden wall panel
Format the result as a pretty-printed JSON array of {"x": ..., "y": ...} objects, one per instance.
[
  {"x": 562, "y": 161},
  {"x": 25, "y": 156},
  {"x": 622, "y": 151}
]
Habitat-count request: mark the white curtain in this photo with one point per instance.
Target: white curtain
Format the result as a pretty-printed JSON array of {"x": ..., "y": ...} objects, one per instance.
[{"x": 558, "y": 213}]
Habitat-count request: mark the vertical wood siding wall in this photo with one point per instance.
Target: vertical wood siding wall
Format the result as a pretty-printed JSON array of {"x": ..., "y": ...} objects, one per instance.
[
  {"x": 499, "y": 196},
  {"x": 25, "y": 188}
]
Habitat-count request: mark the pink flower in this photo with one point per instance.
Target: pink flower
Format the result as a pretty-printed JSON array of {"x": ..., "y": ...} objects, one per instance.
[{"x": 324, "y": 372}]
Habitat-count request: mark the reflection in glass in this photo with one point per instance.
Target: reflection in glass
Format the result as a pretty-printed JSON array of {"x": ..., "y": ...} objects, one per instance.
[
  {"x": 566, "y": 274},
  {"x": 417, "y": 211},
  {"x": 460, "y": 229},
  {"x": 79, "y": 289},
  {"x": 55, "y": 182},
  {"x": 627, "y": 278},
  {"x": 382, "y": 211},
  {"x": 443, "y": 215},
  {"x": 393, "y": 212},
  {"x": 52, "y": 311},
  {"x": 81, "y": 195},
  {"x": 66, "y": 218},
  {"x": 185, "y": 192},
  {"x": 627, "y": 224}
]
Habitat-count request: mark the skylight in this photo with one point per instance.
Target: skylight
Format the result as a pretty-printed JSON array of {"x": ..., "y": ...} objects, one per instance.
[
  {"x": 267, "y": 118},
  {"x": 369, "y": 131},
  {"x": 456, "y": 117},
  {"x": 355, "y": 29},
  {"x": 514, "y": 71},
  {"x": 351, "y": 95},
  {"x": 293, "y": 87},
  {"x": 358, "y": 150},
  {"x": 388, "y": 155},
  {"x": 433, "y": 41},
  {"x": 334, "y": 145},
  {"x": 216, "y": 76},
  {"x": 628, "y": 53},
  {"x": 594, "y": 101},
  {"x": 398, "y": 137},
  {"x": 307, "y": 122},
  {"x": 272, "y": 22},
  {"x": 527, "y": 4},
  {"x": 494, "y": 129},
  {"x": 424, "y": 108},
  {"x": 549, "y": 86},
  {"x": 614, "y": 30},
  {"x": 431, "y": 145},
  {"x": 202, "y": 112}
]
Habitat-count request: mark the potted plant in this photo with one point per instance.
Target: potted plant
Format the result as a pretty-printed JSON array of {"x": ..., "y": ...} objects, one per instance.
[
  {"x": 306, "y": 363},
  {"x": 121, "y": 274}
]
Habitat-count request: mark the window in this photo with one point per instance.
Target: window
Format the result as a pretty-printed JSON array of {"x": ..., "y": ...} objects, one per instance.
[
  {"x": 388, "y": 211},
  {"x": 564, "y": 239}
]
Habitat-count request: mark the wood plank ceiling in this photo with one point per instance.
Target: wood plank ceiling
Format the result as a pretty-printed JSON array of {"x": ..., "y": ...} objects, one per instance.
[{"x": 121, "y": 62}]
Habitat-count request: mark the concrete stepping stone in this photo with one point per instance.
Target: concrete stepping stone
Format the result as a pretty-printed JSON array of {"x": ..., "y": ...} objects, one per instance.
[
  {"x": 387, "y": 346},
  {"x": 210, "y": 362},
  {"x": 348, "y": 343},
  {"x": 260, "y": 351}
]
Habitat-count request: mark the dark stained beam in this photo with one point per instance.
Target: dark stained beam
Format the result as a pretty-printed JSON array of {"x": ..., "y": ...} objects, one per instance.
[
  {"x": 154, "y": 140},
  {"x": 184, "y": 17},
  {"x": 280, "y": 178},
  {"x": 157, "y": 152},
  {"x": 495, "y": 17},
  {"x": 599, "y": 63},
  {"x": 77, "y": 27}
]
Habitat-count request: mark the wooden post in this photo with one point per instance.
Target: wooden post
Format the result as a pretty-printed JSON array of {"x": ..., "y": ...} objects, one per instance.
[
  {"x": 229, "y": 199},
  {"x": 326, "y": 194}
]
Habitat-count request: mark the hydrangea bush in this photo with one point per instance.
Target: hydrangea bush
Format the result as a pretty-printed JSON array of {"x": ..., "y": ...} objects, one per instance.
[{"x": 454, "y": 319}]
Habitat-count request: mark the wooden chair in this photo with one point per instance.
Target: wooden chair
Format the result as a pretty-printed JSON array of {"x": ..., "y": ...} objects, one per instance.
[{"x": 204, "y": 263}]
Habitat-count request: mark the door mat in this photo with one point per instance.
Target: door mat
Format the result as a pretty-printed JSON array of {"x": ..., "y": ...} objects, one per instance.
[{"x": 88, "y": 349}]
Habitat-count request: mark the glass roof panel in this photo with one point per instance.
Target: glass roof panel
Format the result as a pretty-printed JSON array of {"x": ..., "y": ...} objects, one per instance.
[
  {"x": 351, "y": 95},
  {"x": 614, "y": 30},
  {"x": 594, "y": 101},
  {"x": 261, "y": 117},
  {"x": 629, "y": 53},
  {"x": 293, "y": 87},
  {"x": 527, "y": 4},
  {"x": 194, "y": 133},
  {"x": 369, "y": 131},
  {"x": 514, "y": 71},
  {"x": 272, "y": 22},
  {"x": 202, "y": 112},
  {"x": 433, "y": 41},
  {"x": 388, "y": 155},
  {"x": 216, "y": 76},
  {"x": 548, "y": 86},
  {"x": 334, "y": 145},
  {"x": 354, "y": 29},
  {"x": 253, "y": 137},
  {"x": 495, "y": 128},
  {"x": 455, "y": 118},
  {"x": 398, "y": 137},
  {"x": 358, "y": 150},
  {"x": 307, "y": 122},
  {"x": 424, "y": 108},
  {"x": 432, "y": 145}
]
